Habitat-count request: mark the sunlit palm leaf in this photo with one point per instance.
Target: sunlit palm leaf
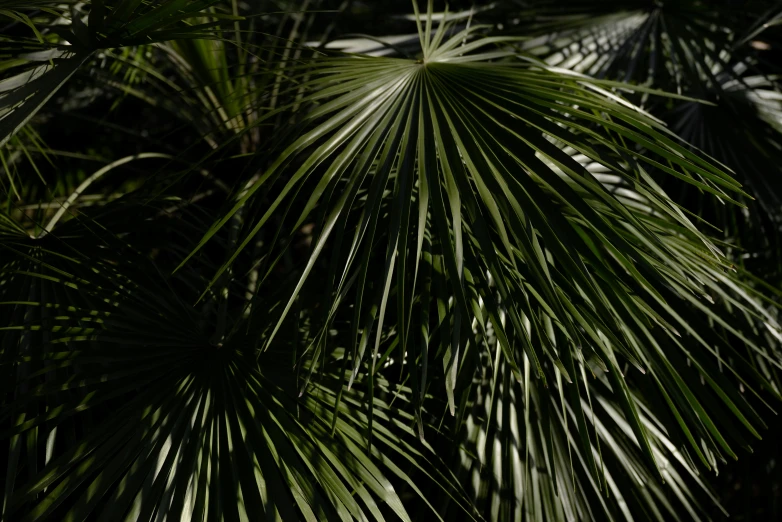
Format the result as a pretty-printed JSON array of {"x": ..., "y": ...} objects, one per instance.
[
  {"x": 518, "y": 442},
  {"x": 453, "y": 166}
]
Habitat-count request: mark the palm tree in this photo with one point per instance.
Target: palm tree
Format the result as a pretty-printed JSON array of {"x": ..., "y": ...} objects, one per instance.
[{"x": 516, "y": 261}]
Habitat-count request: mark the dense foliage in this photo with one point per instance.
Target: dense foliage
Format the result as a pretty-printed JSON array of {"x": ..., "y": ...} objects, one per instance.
[{"x": 504, "y": 261}]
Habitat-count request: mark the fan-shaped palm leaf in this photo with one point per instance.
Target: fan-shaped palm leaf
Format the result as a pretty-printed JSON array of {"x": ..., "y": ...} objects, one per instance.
[
  {"x": 687, "y": 47},
  {"x": 142, "y": 415},
  {"x": 453, "y": 166}
]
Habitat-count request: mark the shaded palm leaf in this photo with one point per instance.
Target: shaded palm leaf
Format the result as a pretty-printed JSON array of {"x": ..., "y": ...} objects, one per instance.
[
  {"x": 684, "y": 46},
  {"x": 528, "y": 465},
  {"x": 128, "y": 23},
  {"x": 142, "y": 415},
  {"x": 700, "y": 50}
]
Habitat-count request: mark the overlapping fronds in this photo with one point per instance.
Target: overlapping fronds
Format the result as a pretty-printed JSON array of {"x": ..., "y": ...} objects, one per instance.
[{"x": 465, "y": 281}]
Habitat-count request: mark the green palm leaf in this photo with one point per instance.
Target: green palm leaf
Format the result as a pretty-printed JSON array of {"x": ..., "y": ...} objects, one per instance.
[{"x": 452, "y": 168}]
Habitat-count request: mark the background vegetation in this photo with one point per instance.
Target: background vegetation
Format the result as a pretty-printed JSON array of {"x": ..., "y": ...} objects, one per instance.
[{"x": 343, "y": 260}]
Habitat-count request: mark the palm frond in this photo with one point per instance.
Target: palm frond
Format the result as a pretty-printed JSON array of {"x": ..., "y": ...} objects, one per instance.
[
  {"x": 129, "y": 23},
  {"x": 700, "y": 51},
  {"x": 104, "y": 351},
  {"x": 453, "y": 169}
]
